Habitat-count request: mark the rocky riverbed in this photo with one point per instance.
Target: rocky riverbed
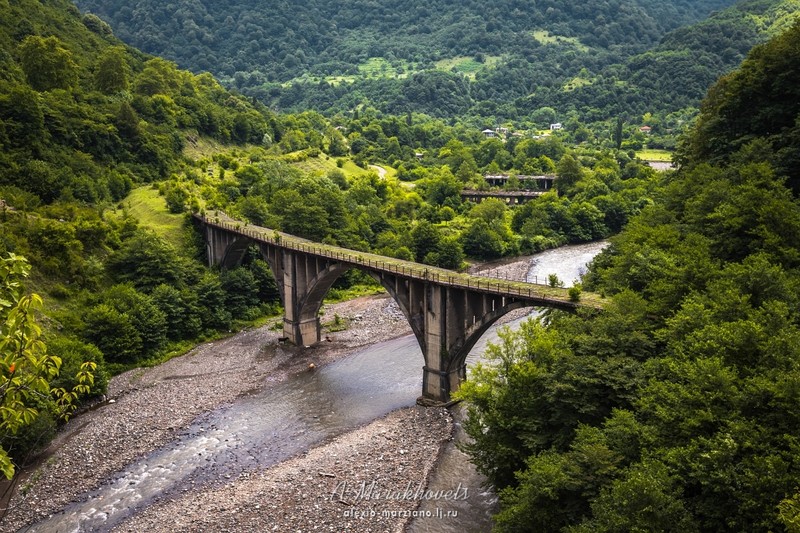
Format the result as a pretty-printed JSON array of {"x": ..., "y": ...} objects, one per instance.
[{"x": 318, "y": 490}]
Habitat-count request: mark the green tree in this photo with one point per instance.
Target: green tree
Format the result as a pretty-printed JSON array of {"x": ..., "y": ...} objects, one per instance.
[
  {"x": 618, "y": 133},
  {"x": 569, "y": 172},
  {"x": 47, "y": 64},
  {"x": 159, "y": 76},
  {"x": 241, "y": 291},
  {"x": 299, "y": 217},
  {"x": 442, "y": 188},
  {"x": 450, "y": 253},
  {"x": 74, "y": 354},
  {"x": 23, "y": 117},
  {"x": 127, "y": 122},
  {"x": 425, "y": 238},
  {"x": 265, "y": 280},
  {"x": 147, "y": 261},
  {"x": 125, "y": 324},
  {"x": 211, "y": 299},
  {"x": 112, "y": 72},
  {"x": 481, "y": 242},
  {"x": 181, "y": 311},
  {"x": 113, "y": 333}
]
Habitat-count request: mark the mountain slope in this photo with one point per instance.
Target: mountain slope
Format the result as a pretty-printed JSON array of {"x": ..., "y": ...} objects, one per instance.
[
  {"x": 755, "y": 110},
  {"x": 308, "y": 54},
  {"x": 676, "y": 408},
  {"x": 291, "y": 37}
]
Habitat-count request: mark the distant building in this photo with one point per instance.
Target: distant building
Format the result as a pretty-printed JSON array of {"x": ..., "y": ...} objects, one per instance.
[
  {"x": 489, "y": 133},
  {"x": 541, "y": 182},
  {"x": 556, "y": 126},
  {"x": 646, "y": 129}
]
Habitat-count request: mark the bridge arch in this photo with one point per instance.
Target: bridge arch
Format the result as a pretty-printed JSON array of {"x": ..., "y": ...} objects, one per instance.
[
  {"x": 447, "y": 322},
  {"x": 464, "y": 345},
  {"x": 234, "y": 252},
  {"x": 318, "y": 287},
  {"x": 310, "y": 301}
]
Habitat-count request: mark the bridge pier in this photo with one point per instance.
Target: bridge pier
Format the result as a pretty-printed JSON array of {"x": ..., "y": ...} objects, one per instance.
[
  {"x": 302, "y": 332},
  {"x": 455, "y": 319},
  {"x": 442, "y": 373}
]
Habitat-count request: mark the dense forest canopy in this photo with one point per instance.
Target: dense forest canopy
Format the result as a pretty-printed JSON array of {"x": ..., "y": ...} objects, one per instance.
[
  {"x": 498, "y": 61},
  {"x": 756, "y": 106},
  {"x": 290, "y": 38}
]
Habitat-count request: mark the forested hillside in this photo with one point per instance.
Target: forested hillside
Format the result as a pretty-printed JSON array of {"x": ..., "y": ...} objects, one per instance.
[
  {"x": 677, "y": 72},
  {"x": 83, "y": 120},
  {"x": 677, "y": 408},
  {"x": 499, "y": 61},
  {"x": 288, "y": 39},
  {"x": 93, "y": 132}
]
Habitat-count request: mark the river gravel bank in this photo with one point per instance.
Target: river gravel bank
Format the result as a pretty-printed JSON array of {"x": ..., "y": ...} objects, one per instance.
[
  {"x": 364, "y": 480},
  {"x": 151, "y": 407}
]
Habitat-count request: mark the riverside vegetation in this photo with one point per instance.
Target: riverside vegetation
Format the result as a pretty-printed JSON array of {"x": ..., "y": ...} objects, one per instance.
[
  {"x": 680, "y": 398},
  {"x": 677, "y": 408}
]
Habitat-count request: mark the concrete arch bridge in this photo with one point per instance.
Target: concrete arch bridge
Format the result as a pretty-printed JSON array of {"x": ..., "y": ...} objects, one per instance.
[{"x": 448, "y": 311}]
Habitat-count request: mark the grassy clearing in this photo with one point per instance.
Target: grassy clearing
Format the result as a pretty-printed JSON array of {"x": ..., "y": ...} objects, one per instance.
[
  {"x": 545, "y": 37},
  {"x": 576, "y": 83},
  {"x": 356, "y": 291},
  {"x": 338, "y": 80},
  {"x": 467, "y": 65},
  {"x": 324, "y": 163},
  {"x": 372, "y": 68},
  {"x": 145, "y": 205},
  {"x": 379, "y": 67},
  {"x": 197, "y": 147},
  {"x": 654, "y": 155}
]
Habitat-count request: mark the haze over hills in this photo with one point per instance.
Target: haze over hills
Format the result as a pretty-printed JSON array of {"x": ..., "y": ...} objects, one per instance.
[{"x": 503, "y": 60}]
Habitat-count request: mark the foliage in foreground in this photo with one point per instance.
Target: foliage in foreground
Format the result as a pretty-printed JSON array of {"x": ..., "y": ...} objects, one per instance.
[{"x": 26, "y": 367}]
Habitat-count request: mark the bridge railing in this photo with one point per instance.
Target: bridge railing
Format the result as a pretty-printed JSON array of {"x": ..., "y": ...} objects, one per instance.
[{"x": 533, "y": 291}]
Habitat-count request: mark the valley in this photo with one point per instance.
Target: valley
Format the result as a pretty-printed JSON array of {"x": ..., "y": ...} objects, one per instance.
[{"x": 447, "y": 135}]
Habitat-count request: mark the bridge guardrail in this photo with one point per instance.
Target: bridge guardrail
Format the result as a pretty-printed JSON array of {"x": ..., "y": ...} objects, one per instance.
[{"x": 398, "y": 266}]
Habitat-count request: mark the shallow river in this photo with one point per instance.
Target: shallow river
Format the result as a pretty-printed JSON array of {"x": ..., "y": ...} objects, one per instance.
[{"x": 268, "y": 427}]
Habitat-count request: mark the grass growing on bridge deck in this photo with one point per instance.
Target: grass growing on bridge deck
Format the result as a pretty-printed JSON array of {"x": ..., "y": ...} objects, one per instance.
[{"x": 558, "y": 297}]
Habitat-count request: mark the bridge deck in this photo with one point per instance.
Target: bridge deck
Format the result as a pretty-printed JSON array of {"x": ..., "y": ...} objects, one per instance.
[{"x": 537, "y": 293}]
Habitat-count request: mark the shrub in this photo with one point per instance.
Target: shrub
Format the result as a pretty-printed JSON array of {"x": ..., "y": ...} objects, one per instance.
[{"x": 574, "y": 294}]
